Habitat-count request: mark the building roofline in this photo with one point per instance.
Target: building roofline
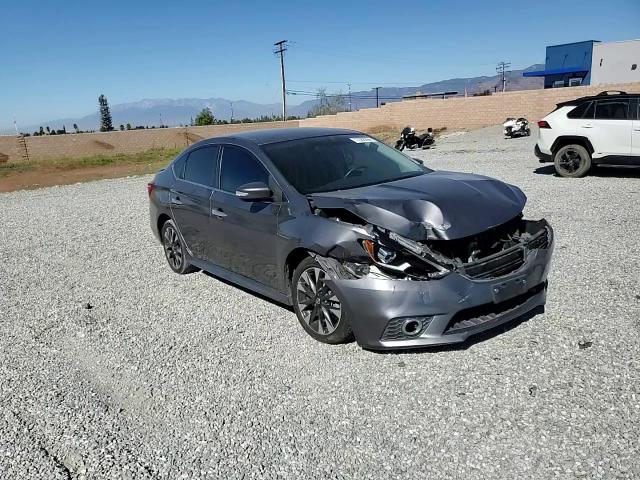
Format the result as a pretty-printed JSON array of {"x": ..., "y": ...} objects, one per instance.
[
  {"x": 621, "y": 41},
  {"x": 574, "y": 43}
]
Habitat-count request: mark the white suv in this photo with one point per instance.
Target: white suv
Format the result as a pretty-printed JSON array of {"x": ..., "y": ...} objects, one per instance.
[{"x": 602, "y": 129}]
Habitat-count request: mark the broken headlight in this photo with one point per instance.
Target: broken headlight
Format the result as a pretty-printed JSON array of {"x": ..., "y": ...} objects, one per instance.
[{"x": 379, "y": 253}]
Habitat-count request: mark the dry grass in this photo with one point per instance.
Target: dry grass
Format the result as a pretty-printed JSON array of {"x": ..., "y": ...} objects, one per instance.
[
  {"x": 61, "y": 171},
  {"x": 150, "y": 157}
]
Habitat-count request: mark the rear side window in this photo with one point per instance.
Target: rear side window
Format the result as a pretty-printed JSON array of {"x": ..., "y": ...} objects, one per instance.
[
  {"x": 240, "y": 167},
  {"x": 612, "y": 109},
  {"x": 201, "y": 166},
  {"x": 581, "y": 110}
]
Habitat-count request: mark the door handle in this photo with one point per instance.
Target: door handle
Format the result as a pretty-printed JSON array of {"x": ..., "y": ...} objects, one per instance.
[
  {"x": 176, "y": 201},
  {"x": 218, "y": 213},
  {"x": 587, "y": 126}
]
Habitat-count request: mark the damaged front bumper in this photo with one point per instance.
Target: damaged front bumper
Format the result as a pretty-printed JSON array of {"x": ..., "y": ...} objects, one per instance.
[{"x": 388, "y": 313}]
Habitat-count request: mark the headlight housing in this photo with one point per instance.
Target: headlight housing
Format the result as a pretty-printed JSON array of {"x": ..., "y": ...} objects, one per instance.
[{"x": 379, "y": 253}]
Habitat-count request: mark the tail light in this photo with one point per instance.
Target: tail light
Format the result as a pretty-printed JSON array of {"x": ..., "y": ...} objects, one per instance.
[
  {"x": 543, "y": 124},
  {"x": 150, "y": 188}
]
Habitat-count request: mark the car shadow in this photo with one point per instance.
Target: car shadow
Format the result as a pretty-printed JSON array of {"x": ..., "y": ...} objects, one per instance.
[
  {"x": 250, "y": 292},
  {"x": 603, "y": 171},
  {"x": 471, "y": 341}
]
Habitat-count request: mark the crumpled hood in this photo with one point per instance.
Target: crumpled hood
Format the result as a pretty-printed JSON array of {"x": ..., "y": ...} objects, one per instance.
[{"x": 437, "y": 205}]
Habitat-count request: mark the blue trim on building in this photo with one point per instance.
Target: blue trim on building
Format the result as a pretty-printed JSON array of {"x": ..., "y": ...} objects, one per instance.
[{"x": 555, "y": 71}]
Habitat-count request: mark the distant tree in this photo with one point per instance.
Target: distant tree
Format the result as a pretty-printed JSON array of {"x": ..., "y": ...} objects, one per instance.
[
  {"x": 106, "y": 124},
  {"x": 121, "y": 128},
  {"x": 328, "y": 104},
  {"x": 75, "y": 127},
  {"x": 48, "y": 130},
  {"x": 52, "y": 132},
  {"x": 191, "y": 122},
  {"x": 41, "y": 131},
  {"x": 64, "y": 129},
  {"x": 128, "y": 126},
  {"x": 205, "y": 117}
]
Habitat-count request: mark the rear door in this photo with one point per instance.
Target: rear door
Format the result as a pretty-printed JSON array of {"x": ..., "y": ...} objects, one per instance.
[
  {"x": 190, "y": 197},
  {"x": 249, "y": 228},
  {"x": 635, "y": 133},
  {"x": 609, "y": 130}
]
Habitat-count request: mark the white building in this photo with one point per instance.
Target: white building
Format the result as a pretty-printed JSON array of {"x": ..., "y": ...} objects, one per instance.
[{"x": 615, "y": 62}]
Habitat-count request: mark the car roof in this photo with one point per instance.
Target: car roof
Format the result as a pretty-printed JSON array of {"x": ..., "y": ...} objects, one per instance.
[
  {"x": 606, "y": 95},
  {"x": 275, "y": 135}
]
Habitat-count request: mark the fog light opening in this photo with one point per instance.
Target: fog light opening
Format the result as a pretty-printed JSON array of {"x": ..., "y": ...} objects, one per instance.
[{"x": 411, "y": 327}]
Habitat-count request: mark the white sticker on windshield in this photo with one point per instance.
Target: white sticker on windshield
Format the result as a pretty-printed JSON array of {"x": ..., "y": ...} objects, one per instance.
[{"x": 362, "y": 139}]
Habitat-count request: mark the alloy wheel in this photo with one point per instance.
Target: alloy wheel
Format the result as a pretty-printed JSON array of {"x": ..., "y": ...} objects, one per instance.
[
  {"x": 570, "y": 161},
  {"x": 318, "y": 304},
  {"x": 173, "y": 247}
]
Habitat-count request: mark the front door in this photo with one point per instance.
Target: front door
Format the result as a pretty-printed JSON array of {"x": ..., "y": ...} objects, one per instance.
[
  {"x": 635, "y": 133},
  {"x": 190, "y": 199},
  {"x": 609, "y": 130},
  {"x": 250, "y": 229}
]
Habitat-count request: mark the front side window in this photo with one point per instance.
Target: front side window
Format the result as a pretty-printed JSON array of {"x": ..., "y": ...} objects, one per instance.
[
  {"x": 239, "y": 167},
  {"x": 338, "y": 162},
  {"x": 612, "y": 109},
  {"x": 201, "y": 166}
]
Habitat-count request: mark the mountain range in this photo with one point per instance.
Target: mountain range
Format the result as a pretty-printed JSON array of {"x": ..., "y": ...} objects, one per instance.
[{"x": 173, "y": 112}]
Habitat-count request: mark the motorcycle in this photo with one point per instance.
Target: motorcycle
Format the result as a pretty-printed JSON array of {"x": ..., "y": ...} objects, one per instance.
[
  {"x": 409, "y": 139},
  {"x": 516, "y": 127}
]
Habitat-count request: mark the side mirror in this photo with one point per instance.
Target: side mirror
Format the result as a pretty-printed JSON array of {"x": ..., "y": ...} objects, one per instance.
[{"x": 254, "y": 192}]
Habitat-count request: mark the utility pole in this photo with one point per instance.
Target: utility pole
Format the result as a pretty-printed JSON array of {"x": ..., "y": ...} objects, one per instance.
[
  {"x": 503, "y": 68},
  {"x": 349, "y": 96},
  {"x": 281, "y": 48},
  {"x": 231, "y": 104},
  {"x": 377, "y": 102}
]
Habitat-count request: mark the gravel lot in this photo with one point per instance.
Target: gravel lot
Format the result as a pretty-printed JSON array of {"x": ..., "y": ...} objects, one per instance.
[{"x": 187, "y": 377}]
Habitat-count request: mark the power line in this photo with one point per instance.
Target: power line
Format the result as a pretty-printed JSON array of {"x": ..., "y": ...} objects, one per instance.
[
  {"x": 503, "y": 68},
  {"x": 281, "y": 48}
]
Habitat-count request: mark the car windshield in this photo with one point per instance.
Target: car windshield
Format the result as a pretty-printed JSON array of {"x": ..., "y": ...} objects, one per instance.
[{"x": 339, "y": 162}]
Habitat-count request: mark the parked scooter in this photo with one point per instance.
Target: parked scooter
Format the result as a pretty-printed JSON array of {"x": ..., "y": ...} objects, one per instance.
[
  {"x": 516, "y": 127},
  {"x": 409, "y": 139}
]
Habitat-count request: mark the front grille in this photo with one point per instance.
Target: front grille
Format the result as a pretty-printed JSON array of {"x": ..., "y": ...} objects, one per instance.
[
  {"x": 540, "y": 241},
  {"x": 507, "y": 261},
  {"x": 496, "y": 265},
  {"x": 474, "y": 316}
]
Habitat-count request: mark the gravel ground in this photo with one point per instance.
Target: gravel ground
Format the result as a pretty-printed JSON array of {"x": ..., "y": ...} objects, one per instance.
[{"x": 112, "y": 367}]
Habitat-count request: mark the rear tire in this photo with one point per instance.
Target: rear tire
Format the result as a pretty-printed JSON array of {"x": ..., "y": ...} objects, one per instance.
[
  {"x": 572, "y": 161},
  {"x": 317, "y": 307},
  {"x": 174, "y": 249}
]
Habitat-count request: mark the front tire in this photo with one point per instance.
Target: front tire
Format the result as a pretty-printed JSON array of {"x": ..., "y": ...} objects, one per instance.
[
  {"x": 174, "y": 249},
  {"x": 317, "y": 307},
  {"x": 572, "y": 161}
]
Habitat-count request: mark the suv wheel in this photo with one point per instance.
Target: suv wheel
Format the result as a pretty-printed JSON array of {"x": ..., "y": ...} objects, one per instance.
[
  {"x": 572, "y": 161},
  {"x": 174, "y": 250},
  {"x": 317, "y": 307}
]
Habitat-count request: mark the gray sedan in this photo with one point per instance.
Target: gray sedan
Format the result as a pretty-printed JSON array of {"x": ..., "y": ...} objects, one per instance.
[{"x": 361, "y": 240}]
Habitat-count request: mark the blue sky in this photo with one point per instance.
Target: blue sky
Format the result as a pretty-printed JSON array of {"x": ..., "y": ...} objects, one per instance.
[{"x": 57, "y": 57}]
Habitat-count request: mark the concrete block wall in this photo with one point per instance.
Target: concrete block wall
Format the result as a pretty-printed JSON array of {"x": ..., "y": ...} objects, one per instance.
[
  {"x": 453, "y": 113},
  {"x": 113, "y": 143},
  {"x": 461, "y": 113}
]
